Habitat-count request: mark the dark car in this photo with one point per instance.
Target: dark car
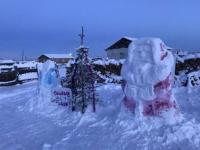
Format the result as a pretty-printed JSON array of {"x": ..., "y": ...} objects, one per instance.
[{"x": 8, "y": 73}]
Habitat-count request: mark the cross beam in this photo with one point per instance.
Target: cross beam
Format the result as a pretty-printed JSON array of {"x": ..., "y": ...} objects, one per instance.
[{"x": 82, "y": 35}]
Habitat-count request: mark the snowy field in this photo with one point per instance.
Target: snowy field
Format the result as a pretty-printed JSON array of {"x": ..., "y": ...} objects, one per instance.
[{"x": 31, "y": 122}]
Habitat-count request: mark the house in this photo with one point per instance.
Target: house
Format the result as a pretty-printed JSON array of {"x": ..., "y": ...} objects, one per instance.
[
  {"x": 58, "y": 58},
  {"x": 119, "y": 50}
]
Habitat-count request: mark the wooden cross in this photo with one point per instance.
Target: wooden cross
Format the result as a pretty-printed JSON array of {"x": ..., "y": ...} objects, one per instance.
[{"x": 82, "y": 35}]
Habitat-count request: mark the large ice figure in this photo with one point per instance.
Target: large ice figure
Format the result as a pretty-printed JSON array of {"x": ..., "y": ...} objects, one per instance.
[
  {"x": 50, "y": 85},
  {"x": 147, "y": 75},
  {"x": 48, "y": 75}
]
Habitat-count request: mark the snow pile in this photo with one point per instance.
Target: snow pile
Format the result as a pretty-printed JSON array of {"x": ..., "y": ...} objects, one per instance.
[
  {"x": 59, "y": 55},
  {"x": 28, "y": 76},
  {"x": 148, "y": 73},
  {"x": 62, "y": 71},
  {"x": 109, "y": 61},
  {"x": 181, "y": 80},
  {"x": 6, "y": 66},
  {"x": 108, "y": 71},
  {"x": 107, "y": 78},
  {"x": 188, "y": 59},
  {"x": 46, "y": 81},
  {"x": 147, "y": 63},
  {"x": 48, "y": 76},
  {"x": 50, "y": 92},
  {"x": 113, "y": 127},
  {"x": 27, "y": 64},
  {"x": 194, "y": 79},
  {"x": 7, "y": 62},
  {"x": 190, "y": 55},
  {"x": 191, "y": 79}
]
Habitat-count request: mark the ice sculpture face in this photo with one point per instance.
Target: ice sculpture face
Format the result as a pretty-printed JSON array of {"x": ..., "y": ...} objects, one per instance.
[
  {"x": 148, "y": 62},
  {"x": 147, "y": 50}
]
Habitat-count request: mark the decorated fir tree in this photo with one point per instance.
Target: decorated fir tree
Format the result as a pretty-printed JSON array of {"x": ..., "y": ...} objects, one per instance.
[{"x": 82, "y": 80}]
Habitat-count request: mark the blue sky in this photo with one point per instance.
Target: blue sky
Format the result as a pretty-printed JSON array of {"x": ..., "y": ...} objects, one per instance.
[{"x": 52, "y": 26}]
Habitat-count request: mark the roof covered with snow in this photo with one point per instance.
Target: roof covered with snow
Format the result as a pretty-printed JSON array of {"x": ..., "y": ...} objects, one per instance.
[
  {"x": 121, "y": 43},
  {"x": 185, "y": 55},
  {"x": 129, "y": 38},
  {"x": 124, "y": 43},
  {"x": 6, "y": 62},
  {"x": 59, "y": 55},
  {"x": 109, "y": 61},
  {"x": 27, "y": 64}
]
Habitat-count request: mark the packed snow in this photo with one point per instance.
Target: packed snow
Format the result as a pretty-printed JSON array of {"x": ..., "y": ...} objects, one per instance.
[
  {"x": 194, "y": 78},
  {"x": 7, "y": 62},
  {"x": 28, "y": 76},
  {"x": 147, "y": 74},
  {"x": 59, "y": 55},
  {"x": 109, "y": 61},
  {"x": 31, "y": 122},
  {"x": 27, "y": 64}
]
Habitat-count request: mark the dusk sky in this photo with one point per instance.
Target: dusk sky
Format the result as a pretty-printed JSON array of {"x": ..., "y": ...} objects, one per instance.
[{"x": 52, "y": 26}]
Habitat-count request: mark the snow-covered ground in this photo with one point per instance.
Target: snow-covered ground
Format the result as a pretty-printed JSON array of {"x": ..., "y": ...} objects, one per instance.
[
  {"x": 28, "y": 76},
  {"x": 31, "y": 122},
  {"x": 27, "y": 64}
]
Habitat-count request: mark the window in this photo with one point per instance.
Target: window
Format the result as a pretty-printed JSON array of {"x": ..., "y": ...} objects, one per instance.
[{"x": 121, "y": 55}]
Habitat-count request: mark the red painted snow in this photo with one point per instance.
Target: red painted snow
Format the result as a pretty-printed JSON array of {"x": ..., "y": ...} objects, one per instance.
[{"x": 163, "y": 100}]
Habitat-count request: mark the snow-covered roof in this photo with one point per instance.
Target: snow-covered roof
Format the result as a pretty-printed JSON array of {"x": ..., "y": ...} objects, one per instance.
[
  {"x": 184, "y": 55},
  {"x": 6, "y": 61},
  {"x": 6, "y": 66},
  {"x": 129, "y": 38},
  {"x": 81, "y": 47},
  {"x": 110, "y": 61},
  {"x": 121, "y": 43},
  {"x": 59, "y": 55},
  {"x": 26, "y": 64},
  {"x": 170, "y": 48}
]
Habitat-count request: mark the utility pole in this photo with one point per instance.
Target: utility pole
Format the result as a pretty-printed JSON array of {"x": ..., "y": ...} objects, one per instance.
[{"x": 22, "y": 55}]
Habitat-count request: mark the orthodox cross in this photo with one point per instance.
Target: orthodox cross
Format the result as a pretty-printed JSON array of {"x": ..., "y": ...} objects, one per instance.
[{"x": 82, "y": 35}]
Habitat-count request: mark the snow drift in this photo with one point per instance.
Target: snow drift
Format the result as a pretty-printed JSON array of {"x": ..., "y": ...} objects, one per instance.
[{"x": 113, "y": 127}]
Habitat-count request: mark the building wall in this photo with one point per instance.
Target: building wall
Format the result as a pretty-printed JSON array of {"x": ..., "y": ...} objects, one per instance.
[
  {"x": 43, "y": 58},
  {"x": 61, "y": 60},
  {"x": 120, "y": 53},
  {"x": 57, "y": 60}
]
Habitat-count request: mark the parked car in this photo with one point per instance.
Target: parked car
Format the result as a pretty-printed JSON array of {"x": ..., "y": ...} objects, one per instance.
[{"x": 8, "y": 73}]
